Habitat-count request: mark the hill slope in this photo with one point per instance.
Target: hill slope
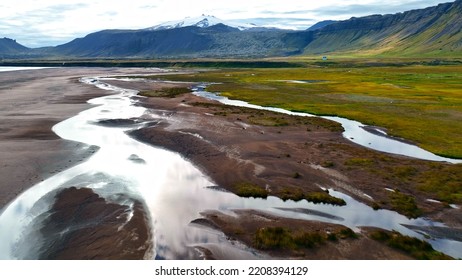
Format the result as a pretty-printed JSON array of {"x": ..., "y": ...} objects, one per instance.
[
  {"x": 10, "y": 48},
  {"x": 434, "y": 30},
  {"x": 321, "y": 24}
]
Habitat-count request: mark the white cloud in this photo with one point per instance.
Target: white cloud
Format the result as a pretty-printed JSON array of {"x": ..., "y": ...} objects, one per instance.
[{"x": 50, "y": 22}]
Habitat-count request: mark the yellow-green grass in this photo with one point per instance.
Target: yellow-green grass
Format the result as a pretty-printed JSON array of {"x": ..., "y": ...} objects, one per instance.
[
  {"x": 405, "y": 204},
  {"x": 412, "y": 246},
  {"x": 297, "y": 194},
  {"x": 270, "y": 238},
  {"x": 246, "y": 189},
  {"x": 420, "y": 103},
  {"x": 444, "y": 182},
  {"x": 165, "y": 92}
]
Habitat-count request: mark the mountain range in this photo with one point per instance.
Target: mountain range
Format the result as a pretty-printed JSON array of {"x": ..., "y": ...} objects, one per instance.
[{"x": 434, "y": 31}]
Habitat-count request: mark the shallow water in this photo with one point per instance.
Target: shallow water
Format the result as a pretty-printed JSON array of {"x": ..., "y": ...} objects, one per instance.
[
  {"x": 18, "y": 68},
  {"x": 174, "y": 191}
]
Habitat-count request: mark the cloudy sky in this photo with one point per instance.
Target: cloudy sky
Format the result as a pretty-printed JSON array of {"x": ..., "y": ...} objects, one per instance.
[{"x": 36, "y": 23}]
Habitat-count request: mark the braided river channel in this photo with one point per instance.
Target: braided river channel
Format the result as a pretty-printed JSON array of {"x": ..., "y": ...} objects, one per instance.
[{"x": 174, "y": 192}]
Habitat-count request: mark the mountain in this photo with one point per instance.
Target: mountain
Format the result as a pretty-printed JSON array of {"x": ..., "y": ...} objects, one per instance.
[
  {"x": 203, "y": 21},
  {"x": 434, "y": 31},
  {"x": 217, "y": 40},
  {"x": 321, "y": 24},
  {"x": 10, "y": 48},
  {"x": 431, "y": 31}
]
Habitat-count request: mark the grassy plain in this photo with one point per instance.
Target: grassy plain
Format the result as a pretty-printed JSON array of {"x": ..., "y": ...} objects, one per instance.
[{"x": 421, "y": 103}]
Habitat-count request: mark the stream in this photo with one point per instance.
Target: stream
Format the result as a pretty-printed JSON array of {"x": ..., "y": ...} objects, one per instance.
[{"x": 175, "y": 192}]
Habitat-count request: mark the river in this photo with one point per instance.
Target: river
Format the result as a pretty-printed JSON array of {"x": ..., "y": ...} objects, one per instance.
[
  {"x": 173, "y": 190},
  {"x": 354, "y": 131},
  {"x": 19, "y": 68}
]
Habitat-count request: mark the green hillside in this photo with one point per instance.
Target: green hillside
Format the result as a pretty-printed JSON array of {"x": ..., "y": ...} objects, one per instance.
[{"x": 434, "y": 31}]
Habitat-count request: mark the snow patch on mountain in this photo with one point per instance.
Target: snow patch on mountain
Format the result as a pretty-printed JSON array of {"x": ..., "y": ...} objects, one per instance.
[{"x": 203, "y": 21}]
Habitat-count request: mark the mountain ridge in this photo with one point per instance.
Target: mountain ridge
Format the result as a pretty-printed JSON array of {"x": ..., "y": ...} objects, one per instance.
[
  {"x": 432, "y": 31},
  {"x": 321, "y": 24},
  {"x": 214, "y": 41},
  {"x": 410, "y": 33},
  {"x": 9, "y": 47}
]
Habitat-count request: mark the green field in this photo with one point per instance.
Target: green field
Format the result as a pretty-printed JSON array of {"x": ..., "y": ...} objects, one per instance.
[{"x": 421, "y": 103}]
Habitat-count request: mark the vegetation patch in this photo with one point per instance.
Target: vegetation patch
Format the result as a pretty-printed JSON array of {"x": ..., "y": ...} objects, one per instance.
[
  {"x": 404, "y": 172},
  {"x": 404, "y": 204},
  {"x": 271, "y": 238},
  {"x": 292, "y": 193},
  {"x": 165, "y": 92},
  {"x": 347, "y": 233},
  {"x": 359, "y": 162},
  {"x": 323, "y": 197},
  {"x": 328, "y": 164},
  {"x": 296, "y": 194},
  {"x": 412, "y": 246},
  {"x": 246, "y": 189},
  {"x": 444, "y": 182}
]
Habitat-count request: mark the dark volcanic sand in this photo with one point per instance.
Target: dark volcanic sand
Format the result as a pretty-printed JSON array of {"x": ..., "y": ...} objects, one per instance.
[
  {"x": 82, "y": 225},
  {"x": 31, "y": 102}
]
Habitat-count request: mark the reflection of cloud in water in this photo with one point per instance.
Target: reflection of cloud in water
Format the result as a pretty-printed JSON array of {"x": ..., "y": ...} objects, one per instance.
[{"x": 311, "y": 212}]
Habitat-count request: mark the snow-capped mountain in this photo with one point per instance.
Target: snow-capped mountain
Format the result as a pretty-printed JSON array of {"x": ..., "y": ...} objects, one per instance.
[{"x": 202, "y": 21}]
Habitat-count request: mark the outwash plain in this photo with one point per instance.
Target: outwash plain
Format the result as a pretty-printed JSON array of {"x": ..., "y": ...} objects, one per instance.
[{"x": 255, "y": 153}]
